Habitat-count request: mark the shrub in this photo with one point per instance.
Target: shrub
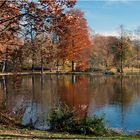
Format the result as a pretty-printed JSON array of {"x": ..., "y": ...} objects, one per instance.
[{"x": 61, "y": 119}]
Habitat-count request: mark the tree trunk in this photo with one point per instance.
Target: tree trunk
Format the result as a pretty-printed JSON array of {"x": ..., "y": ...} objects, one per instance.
[
  {"x": 57, "y": 65},
  {"x": 4, "y": 66},
  {"x": 73, "y": 66},
  {"x": 33, "y": 49},
  {"x": 33, "y": 68},
  {"x": 5, "y": 62},
  {"x": 121, "y": 67},
  {"x": 42, "y": 68},
  {"x": 33, "y": 62}
]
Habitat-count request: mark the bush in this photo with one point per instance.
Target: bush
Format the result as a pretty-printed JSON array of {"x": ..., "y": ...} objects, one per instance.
[
  {"x": 61, "y": 119},
  {"x": 109, "y": 73}
]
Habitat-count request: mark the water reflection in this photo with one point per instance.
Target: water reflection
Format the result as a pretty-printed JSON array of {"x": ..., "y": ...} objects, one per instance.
[{"x": 31, "y": 97}]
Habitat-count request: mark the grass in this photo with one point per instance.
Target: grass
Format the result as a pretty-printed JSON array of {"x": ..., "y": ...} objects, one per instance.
[{"x": 8, "y": 132}]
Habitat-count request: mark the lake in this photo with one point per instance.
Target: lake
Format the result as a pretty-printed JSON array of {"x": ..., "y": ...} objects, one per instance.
[{"x": 31, "y": 98}]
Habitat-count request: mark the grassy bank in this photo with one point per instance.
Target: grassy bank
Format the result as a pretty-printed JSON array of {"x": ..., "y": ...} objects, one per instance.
[
  {"x": 9, "y": 132},
  {"x": 16, "y": 133}
]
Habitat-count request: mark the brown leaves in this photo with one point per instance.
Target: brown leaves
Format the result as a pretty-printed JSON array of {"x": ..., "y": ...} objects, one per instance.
[{"x": 32, "y": 18}]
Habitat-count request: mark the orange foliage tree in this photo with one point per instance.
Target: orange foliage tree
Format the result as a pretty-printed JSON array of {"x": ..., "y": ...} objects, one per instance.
[{"x": 75, "y": 43}]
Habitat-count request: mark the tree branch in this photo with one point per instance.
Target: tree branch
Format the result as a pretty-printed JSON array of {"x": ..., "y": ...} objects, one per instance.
[
  {"x": 12, "y": 18},
  {"x": 3, "y": 3}
]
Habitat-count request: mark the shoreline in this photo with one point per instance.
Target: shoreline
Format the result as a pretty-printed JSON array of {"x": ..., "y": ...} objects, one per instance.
[{"x": 67, "y": 73}]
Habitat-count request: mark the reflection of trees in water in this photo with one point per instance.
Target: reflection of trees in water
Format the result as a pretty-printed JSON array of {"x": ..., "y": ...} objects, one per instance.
[
  {"x": 74, "y": 92},
  {"x": 14, "y": 95},
  {"x": 97, "y": 92},
  {"x": 113, "y": 90},
  {"x": 3, "y": 92},
  {"x": 126, "y": 94},
  {"x": 102, "y": 91},
  {"x": 35, "y": 95},
  {"x": 44, "y": 88},
  {"x": 126, "y": 89},
  {"x": 16, "y": 81}
]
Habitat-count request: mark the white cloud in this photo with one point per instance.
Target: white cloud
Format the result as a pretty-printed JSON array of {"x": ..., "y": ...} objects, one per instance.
[
  {"x": 109, "y": 34},
  {"x": 133, "y": 36}
]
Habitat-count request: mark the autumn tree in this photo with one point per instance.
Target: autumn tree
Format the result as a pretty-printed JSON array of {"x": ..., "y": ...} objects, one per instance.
[
  {"x": 49, "y": 19},
  {"x": 9, "y": 27},
  {"x": 9, "y": 16},
  {"x": 123, "y": 50},
  {"x": 46, "y": 51},
  {"x": 33, "y": 18},
  {"x": 136, "y": 43},
  {"x": 102, "y": 56},
  {"x": 75, "y": 42}
]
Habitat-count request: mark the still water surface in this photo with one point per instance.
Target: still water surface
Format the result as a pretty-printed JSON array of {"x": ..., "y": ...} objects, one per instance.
[{"x": 31, "y": 97}]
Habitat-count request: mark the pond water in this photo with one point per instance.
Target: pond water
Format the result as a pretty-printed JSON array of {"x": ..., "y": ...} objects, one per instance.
[{"x": 31, "y": 97}]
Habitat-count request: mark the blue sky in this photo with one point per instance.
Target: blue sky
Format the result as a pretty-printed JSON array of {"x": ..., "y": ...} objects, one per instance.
[{"x": 105, "y": 16}]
